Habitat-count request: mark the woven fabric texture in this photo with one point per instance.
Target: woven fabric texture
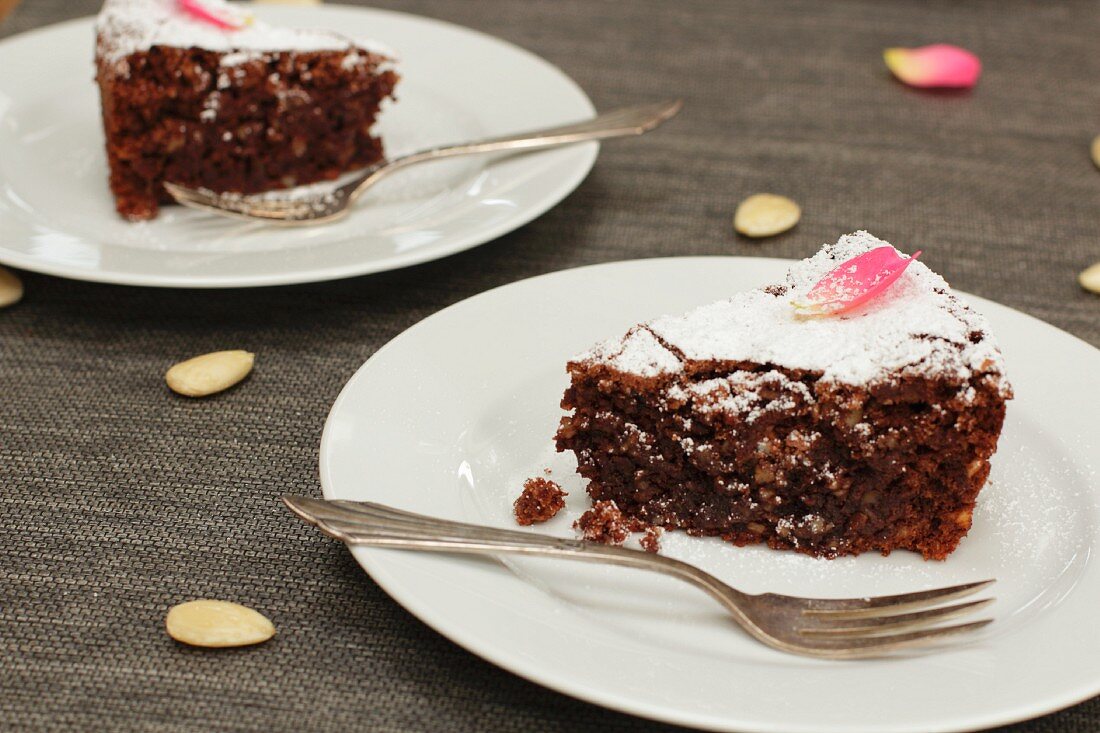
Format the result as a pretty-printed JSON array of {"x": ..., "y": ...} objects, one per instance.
[{"x": 120, "y": 500}]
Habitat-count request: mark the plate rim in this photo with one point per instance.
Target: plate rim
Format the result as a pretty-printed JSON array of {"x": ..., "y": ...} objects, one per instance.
[
  {"x": 553, "y": 195},
  {"x": 369, "y": 559}
]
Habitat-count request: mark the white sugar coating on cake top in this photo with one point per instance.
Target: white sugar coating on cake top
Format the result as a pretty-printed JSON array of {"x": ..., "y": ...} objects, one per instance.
[
  {"x": 743, "y": 393},
  {"x": 130, "y": 26},
  {"x": 915, "y": 328},
  {"x": 639, "y": 352}
]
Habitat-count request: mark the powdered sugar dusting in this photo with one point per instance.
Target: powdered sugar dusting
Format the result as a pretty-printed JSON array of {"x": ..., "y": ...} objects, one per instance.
[
  {"x": 130, "y": 26},
  {"x": 745, "y": 393},
  {"x": 916, "y": 328},
  {"x": 639, "y": 352}
]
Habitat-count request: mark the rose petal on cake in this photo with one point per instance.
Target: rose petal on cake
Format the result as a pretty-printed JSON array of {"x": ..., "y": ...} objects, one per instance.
[
  {"x": 939, "y": 65},
  {"x": 226, "y": 20},
  {"x": 854, "y": 282}
]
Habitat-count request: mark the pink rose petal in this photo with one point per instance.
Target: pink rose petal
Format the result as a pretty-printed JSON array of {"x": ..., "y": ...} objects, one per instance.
[
  {"x": 225, "y": 20},
  {"x": 939, "y": 65},
  {"x": 854, "y": 282}
]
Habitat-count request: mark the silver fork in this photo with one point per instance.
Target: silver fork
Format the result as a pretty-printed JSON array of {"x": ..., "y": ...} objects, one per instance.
[
  {"x": 846, "y": 628},
  {"x": 335, "y": 204}
]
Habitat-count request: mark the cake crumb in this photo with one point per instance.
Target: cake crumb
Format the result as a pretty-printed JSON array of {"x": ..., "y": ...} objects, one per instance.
[
  {"x": 540, "y": 501},
  {"x": 651, "y": 540},
  {"x": 605, "y": 523}
]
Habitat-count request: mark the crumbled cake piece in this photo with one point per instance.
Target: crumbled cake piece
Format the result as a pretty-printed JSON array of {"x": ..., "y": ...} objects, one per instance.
[
  {"x": 867, "y": 431},
  {"x": 247, "y": 110},
  {"x": 651, "y": 540},
  {"x": 540, "y": 501},
  {"x": 606, "y": 524}
]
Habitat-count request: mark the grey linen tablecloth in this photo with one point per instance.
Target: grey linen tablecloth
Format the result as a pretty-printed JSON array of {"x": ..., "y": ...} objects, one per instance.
[{"x": 118, "y": 499}]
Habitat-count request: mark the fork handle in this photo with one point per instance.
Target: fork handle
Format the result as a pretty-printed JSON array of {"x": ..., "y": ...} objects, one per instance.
[
  {"x": 375, "y": 525},
  {"x": 622, "y": 122},
  {"x": 616, "y": 123}
]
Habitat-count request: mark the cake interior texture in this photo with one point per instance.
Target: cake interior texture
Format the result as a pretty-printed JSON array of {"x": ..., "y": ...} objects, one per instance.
[
  {"x": 246, "y": 111},
  {"x": 837, "y": 435}
]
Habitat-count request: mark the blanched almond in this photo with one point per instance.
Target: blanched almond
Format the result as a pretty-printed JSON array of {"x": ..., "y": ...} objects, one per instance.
[
  {"x": 1090, "y": 278},
  {"x": 1096, "y": 151},
  {"x": 11, "y": 288},
  {"x": 765, "y": 215},
  {"x": 212, "y": 623},
  {"x": 210, "y": 373}
]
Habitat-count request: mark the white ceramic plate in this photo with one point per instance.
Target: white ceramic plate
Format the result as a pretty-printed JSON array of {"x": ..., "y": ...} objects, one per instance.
[
  {"x": 452, "y": 416},
  {"x": 57, "y": 215}
]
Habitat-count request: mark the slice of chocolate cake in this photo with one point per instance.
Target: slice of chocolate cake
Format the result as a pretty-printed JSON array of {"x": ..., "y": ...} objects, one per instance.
[
  {"x": 829, "y": 435},
  {"x": 198, "y": 93}
]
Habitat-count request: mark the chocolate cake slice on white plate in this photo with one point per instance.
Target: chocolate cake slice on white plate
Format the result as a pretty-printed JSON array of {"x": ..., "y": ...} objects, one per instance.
[
  {"x": 828, "y": 431},
  {"x": 200, "y": 93}
]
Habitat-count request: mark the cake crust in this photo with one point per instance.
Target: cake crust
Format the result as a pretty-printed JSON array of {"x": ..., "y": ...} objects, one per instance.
[{"x": 865, "y": 432}]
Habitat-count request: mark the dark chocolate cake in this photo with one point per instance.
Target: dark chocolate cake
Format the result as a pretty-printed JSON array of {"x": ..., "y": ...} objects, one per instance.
[
  {"x": 198, "y": 93},
  {"x": 835, "y": 435}
]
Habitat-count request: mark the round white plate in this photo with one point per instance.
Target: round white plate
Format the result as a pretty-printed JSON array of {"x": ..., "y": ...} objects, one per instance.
[
  {"x": 57, "y": 215},
  {"x": 450, "y": 418}
]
